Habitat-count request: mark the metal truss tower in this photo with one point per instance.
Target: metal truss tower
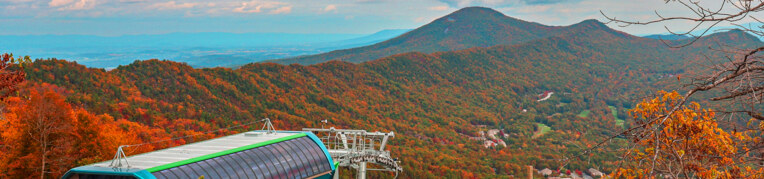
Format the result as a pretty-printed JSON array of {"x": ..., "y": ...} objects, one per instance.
[{"x": 358, "y": 148}]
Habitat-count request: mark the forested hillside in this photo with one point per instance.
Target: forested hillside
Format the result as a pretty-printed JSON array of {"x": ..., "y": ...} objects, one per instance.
[
  {"x": 465, "y": 28},
  {"x": 434, "y": 102}
]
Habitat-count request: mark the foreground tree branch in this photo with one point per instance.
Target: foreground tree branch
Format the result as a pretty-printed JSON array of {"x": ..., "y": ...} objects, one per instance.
[{"x": 675, "y": 139}]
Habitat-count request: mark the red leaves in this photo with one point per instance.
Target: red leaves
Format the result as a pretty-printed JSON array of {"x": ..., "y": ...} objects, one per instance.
[
  {"x": 48, "y": 136},
  {"x": 11, "y": 74}
]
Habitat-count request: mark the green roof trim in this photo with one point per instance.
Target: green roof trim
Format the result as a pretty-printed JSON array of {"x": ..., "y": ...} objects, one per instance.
[{"x": 222, "y": 153}]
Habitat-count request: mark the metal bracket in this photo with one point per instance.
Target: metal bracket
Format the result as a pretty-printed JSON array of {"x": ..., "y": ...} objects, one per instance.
[
  {"x": 119, "y": 157},
  {"x": 268, "y": 126}
]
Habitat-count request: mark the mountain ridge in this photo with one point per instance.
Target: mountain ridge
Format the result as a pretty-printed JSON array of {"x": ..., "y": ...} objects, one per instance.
[{"x": 461, "y": 29}]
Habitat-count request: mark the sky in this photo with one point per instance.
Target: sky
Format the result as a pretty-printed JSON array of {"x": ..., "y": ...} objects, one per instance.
[{"x": 133, "y": 17}]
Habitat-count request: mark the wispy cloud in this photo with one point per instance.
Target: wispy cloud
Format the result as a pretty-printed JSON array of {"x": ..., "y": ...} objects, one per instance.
[
  {"x": 308, "y": 16},
  {"x": 170, "y": 5},
  {"x": 330, "y": 8},
  {"x": 133, "y": 1},
  {"x": 534, "y": 2},
  {"x": 78, "y": 5},
  {"x": 56, "y": 3},
  {"x": 501, "y": 3},
  {"x": 273, "y": 7},
  {"x": 64, "y": 5},
  {"x": 438, "y": 8},
  {"x": 281, "y": 10}
]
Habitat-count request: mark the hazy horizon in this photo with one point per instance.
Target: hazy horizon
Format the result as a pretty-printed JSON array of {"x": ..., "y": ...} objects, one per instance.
[{"x": 141, "y": 17}]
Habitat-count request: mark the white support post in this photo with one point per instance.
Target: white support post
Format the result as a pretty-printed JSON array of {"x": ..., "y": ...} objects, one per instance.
[
  {"x": 361, "y": 170},
  {"x": 337, "y": 173},
  {"x": 383, "y": 143},
  {"x": 344, "y": 140},
  {"x": 117, "y": 161},
  {"x": 268, "y": 126}
]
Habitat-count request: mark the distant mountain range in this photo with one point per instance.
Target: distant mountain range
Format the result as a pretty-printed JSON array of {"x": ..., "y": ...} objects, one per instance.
[
  {"x": 465, "y": 28},
  {"x": 196, "y": 49},
  {"x": 667, "y": 36}
]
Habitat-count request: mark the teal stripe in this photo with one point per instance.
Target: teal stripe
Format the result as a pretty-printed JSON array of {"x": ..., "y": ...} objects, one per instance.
[
  {"x": 323, "y": 147},
  {"x": 137, "y": 173},
  {"x": 222, "y": 153}
]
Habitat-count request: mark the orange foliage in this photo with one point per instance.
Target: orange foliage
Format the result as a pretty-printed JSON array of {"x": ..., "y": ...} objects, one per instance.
[
  {"x": 49, "y": 136},
  {"x": 687, "y": 143}
]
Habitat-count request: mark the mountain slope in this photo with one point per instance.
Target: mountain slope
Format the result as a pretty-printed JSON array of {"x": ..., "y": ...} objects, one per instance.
[
  {"x": 462, "y": 29},
  {"x": 362, "y": 41},
  {"x": 667, "y": 36}
]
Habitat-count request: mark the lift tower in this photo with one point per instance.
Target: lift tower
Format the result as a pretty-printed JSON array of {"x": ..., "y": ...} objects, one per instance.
[{"x": 356, "y": 148}]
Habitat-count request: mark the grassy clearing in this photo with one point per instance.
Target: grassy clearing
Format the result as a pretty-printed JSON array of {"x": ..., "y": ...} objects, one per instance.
[
  {"x": 542, "y": 129},
  {"x": 584, "y": 113},
  {"x": 618, "y": 122}
]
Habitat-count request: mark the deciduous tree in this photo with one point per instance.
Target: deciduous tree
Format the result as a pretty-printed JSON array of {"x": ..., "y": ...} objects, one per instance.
[
  {"x": 49, "y": 136},
  {"x": 686, "y": 143},
  {"x": 678, "y": 139}
]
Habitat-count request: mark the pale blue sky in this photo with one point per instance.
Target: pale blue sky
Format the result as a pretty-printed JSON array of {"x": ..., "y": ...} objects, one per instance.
[{"x": 121, "y": 17}]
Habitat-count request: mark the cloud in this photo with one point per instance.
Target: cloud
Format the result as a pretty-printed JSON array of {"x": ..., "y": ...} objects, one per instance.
[
  {"x": 258, "y": 6},
  {"x": 67, "y": 5},
  {"x": 56, "y": 3},
  {"x": 170, "y": 5},
  {"x": 132, "y": 1},
  {"x": 438, "y": 8},
  {"x": 420, "y": 19},
  {"x": 500, "y": 3},
  {"x": 17, "y": 1},
  {"x": 282, "y": 10},
  {"x": 370, "y": 1},
  {"x": 535, "y": 2},
  {"x": 464, "y": 3},
  {"x": 330, "y": 7}
]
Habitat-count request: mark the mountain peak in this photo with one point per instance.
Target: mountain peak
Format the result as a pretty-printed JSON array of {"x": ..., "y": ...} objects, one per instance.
[
  {"x": 462, "y": 29},
  {"x": 734, "y": 35},
  {"x": 592, "y": 26},
  {"x": 473, "y": 13},
  {"x": 591, "y": 23},
  {"x": 476, "y": 9}
]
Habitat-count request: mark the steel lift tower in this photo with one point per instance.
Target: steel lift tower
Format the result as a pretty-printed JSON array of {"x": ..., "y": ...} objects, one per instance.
[{"x": 357, "y": 148}]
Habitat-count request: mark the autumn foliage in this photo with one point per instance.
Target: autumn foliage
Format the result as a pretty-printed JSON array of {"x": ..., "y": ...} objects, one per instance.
[
  {"x": 688, "y": 143},
  {"x": 11, "y": 73},
  {"x": 49, "y": 136},
  {"x": 434, "y": 102}
]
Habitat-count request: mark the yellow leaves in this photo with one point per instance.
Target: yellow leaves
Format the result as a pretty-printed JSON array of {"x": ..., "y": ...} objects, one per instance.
[
  {"x": 689, "y": 136},
  {"x": 630, "y": 173}
]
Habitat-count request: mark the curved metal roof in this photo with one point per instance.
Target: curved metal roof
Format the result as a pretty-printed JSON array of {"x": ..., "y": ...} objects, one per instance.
[{"x": 295, "y": 151}]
